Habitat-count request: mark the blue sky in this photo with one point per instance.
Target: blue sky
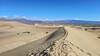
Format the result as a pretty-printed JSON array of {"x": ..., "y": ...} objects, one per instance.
[{"x": 52, "y": 9}]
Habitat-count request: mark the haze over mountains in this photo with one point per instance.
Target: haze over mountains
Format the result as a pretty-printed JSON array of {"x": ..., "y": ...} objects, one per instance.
[{"x": 25, "y": 20}]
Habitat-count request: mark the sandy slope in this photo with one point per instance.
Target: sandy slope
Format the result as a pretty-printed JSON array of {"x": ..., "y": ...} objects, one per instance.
[
  {"x": 83, "y": 43},
  {"x": 17, "y": 39},
  {"x": 76, "y": 43}
]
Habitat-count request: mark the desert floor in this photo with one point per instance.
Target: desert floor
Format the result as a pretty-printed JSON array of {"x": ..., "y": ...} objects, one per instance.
[
  {"x": 18, "y": 39},
  {"x": 83, "y": 43},
  {"x": 77, "y": 43}
]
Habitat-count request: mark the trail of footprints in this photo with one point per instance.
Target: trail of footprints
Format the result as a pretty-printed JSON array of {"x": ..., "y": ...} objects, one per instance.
[
  {"x": 63, "y": 48},
  {"x": 81, "y": 51}
]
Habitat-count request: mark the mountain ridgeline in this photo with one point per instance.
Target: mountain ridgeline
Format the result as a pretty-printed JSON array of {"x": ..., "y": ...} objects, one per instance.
[{"x": 24, "y": 20}]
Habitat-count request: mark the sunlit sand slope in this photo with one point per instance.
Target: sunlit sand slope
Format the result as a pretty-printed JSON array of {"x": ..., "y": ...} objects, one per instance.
[
  {"x": 77, "y": 42},
  {"x": 17, "y": 39},
  {"x": 82, "y": 43}
]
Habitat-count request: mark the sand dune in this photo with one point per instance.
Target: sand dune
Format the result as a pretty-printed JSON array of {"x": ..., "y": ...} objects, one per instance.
[
  {"x": 22, "y": 39},
  {"x": 83, "y": 43},
  {"x": 77, "y": 43},
  {"x": 18, "y": 39}
]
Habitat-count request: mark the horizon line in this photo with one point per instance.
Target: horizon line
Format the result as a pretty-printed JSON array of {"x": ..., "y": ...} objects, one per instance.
[{"x": 41, "y": 19}]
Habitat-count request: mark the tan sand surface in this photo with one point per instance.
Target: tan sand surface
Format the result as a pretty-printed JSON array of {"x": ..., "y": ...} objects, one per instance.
[
  {"x": 83, "y": 42},
  {"x": 77, "y": 43},
  {"x": 18, "y": 39}
]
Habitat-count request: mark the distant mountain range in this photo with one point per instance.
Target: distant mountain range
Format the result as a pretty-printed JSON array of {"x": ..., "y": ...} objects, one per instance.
[
  {"x": 23, "y": 20},
  {"x": 77, "y": 22}
]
